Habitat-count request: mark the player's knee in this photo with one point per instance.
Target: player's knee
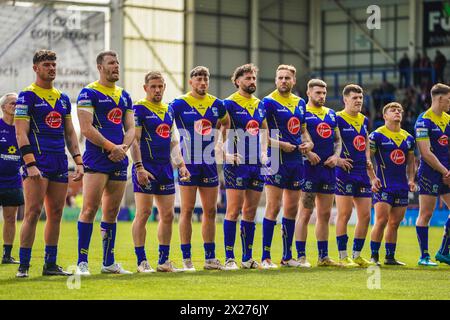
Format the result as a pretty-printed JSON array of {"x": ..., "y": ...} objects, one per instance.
[
  {"x": 54, "y": 217},
  {"x": 210, "y": 213},
  {"x": 272, "y": 210},
  {"x": 343, "y": 217},
  {"x": 249, "y": 211},
  {"x": 9, "y": 219},
  {"x": 425, "y": 215},
  {"x": 166, "y": 217},
  {"x": 323, "y": 216},
  {"x": 143, "y": 215},
  {"x": 186, "y": 212},
  {"x": 89, "y": 212}
]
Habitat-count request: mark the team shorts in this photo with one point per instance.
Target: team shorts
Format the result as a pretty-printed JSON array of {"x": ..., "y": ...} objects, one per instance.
[
  {"x": 397, "y": 198},
  {"x": 97, "y": 162},
  {"x": 53, "y": 167},
  {"x": 11, "y": 197},
  {"x": 319, "y": 179},
  {"x": 430, "y": 183},
  {"x": 202, "y": 175},
  {"x": 163, "y": 184},
  {"x": 243, "y": 176},
  {"x": 353, "y": 185},
  {"x": 289, "y": 176}
]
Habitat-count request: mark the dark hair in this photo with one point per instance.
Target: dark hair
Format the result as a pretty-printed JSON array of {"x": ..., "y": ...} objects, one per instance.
[
  {"x": 199, "y": 71},
  {"x": 439, "y": 89},
  {"x": 103, "y": 54},
  {"x": 152, "y": 75},
  {"x": 240, "y": 71},
  {"x": 351, "y": 88},
  {"x": 44, "y": 55}
]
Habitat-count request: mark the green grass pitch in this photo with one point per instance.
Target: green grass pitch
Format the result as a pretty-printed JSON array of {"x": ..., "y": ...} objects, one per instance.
[{"x": 410, "y": 282}]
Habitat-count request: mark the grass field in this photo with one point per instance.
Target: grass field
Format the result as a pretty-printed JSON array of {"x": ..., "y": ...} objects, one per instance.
[{"x": 410, "y": 282}]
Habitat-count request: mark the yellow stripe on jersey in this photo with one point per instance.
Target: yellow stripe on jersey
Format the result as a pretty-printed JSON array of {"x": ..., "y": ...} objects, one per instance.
[
  {"x": 160, "y": 109},
  {"x": 49, "y": 95},
  {"x": 397, "y": 137},
  {"x": 201, "y": 105},
  {"x": 356, "y": 122},
  {"x": 114, "y": 93},
  {"x": 441, "y": 121},
  {"x": 291, "y": 102},
  {"x": 320, "y": 112},
  {"x": 249, "y": 104}
]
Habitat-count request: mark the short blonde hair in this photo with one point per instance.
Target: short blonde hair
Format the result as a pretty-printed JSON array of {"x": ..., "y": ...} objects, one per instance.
[
  {"x": 439, "y": 89},
  {"x": 392, "y": 105},
  {"x": 152, "y": 75},
  {"x": 287, "y": 67},
  {"x": 316, "y": 83}
]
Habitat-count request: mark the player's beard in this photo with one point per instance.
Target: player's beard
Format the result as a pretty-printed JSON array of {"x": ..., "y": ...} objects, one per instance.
[
  {"x": 250, "y": 89},
  {"x": 285, "y": 89},
  {"x": 112, "y": 77},
  {"x": 156, "y": 99},
  {"x": 318, "y": 103},
  {"x": 201, "y": 92}
]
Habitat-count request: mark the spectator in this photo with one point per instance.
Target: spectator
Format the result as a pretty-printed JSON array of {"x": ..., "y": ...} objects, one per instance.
[
  {"x": 387, "y": 92},
  {"x": 404, "y": 67},
  {"x": 425, "y": 65},
  {"x": 423, "y": 100},
  {"x": 439, "y": 66},
  {"x": 416, "y": 71}
]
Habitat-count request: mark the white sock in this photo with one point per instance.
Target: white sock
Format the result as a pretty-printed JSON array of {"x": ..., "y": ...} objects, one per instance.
[{"x": 343, "y": 254}]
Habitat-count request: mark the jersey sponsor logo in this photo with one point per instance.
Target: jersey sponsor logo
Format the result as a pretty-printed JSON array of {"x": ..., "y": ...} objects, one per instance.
[
  {"x": 443, "y": 140},
  {"x": 53, "y": 120},
  {"x": 252, "y": 127},
  {"x": 359, "y": 143},
  {"x": 115, "y": 116},
  {"x": 163, "y": 130},
  {"x": 293, "y": 125},
  {"x": 85, "y": 103},
  {"x": 398, "y": 157},
  {"x": 348, "y": 129},
  {"x": 203, "y": 127},
  {"x": 324, "y": 130},
  {"x": 12, "y": 150}
]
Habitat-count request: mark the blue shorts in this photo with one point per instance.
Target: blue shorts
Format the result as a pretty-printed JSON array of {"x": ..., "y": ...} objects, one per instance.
[
  {"x": 353, "y": 185},
  {"x": 11, "y": 197},
  {"x": 202, "y": 175},
  {"x": 163, "y": 184},
  {"x": 98, "y": 162},
  {"x": 244, "y": 176},
  {"x": 53, "y": 167},
  {"x": 116, "y": 175},
  {"x": 430, "y": 183},
  {"x": 397, "y": 198},
  {"x": 289, "y": 176},
  {"x": 319, "y": 179}
]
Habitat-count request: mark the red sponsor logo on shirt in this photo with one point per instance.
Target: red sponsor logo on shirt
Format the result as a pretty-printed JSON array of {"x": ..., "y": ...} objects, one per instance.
[
  {"x": 163, "y": 130},
  {"x": 398, "y": 156},
  {"x": 443, "y": 140},
  {"x": 359, "y": 143},
  {"x": 293, "y": 125},
  {"x": 53, "y": 120},
  {"x": 324, "y": 130},
  {"x": 115, "y": 116},
  {"x": 252, "y": 127},
  {"x": 203, "y": 127}
]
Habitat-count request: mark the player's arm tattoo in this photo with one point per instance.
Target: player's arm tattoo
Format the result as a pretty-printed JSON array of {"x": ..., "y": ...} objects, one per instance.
[
  {"x": 308, "y": 200},
  {"x": 337, "y": 142}
]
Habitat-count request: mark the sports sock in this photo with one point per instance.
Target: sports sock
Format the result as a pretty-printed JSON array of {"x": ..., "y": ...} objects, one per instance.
[
  {"x": 25, "y": 256},
  {"x": 375, "y": 247},
  {"x": 7, "y": 248},
  {"x": 342, "y": 245},
  {"x": 390, "y": 250},
  {"x": 301, "y": 248},
  {"x": 50, "y": 254},
  {"x": 445, "y": 246},
  {"x": 84, "y": 238},
  {"x": 288, "y": 228},
  {"x": 247, "y": 236},
  {"x": 163, "y": 253},
  {"x": 186, "y": 250},
  {"x": 109, "y": 238},
  {"x": 229, "y": 232},
  {"x": 422, "y": 237},
  {"x": 140, "y": 254},
  {"x": 322, "y": 246},
  {"x": 268, "y": 227},
  {"x": 210, "y": 250},
  {"x": 358, "y": 245}
]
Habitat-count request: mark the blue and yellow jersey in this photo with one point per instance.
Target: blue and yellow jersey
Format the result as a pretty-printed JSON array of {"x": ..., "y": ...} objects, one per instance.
[
  {"x": 436, "y": 129},
  {"x": 109, "y": 106},
  {"x": 353, "y": 132},
  {"x": 391, "y": 150},
  {"x": 46, "y": 109},
  {"x": 246, "y": 117},
  {"x": 10, "y": 159},
  {"x": 157, "y": 123},
  {"x": 198, "y": 118},
  {"x": 321, "y": 124},
  {"x": 287, "y": 115}
]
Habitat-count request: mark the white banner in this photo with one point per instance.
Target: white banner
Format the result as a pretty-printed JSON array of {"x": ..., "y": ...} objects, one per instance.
[{"x": 76, "y": 37}]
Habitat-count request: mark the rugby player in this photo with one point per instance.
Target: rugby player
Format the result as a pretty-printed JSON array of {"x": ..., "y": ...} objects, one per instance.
[
  {"x": 319, "y": 173},
  {"x": 197, "y": 115},
  {"x": 432, "y": 133},
  {"x": 43, "y": 129},
  {"x": 243, "y": 181},
  {"x": 156, "y": 138},
  {"x": 105, "y": 112},
  {"x": 11, "y": 192},
  {"x": 285, "y": 113},
  {"x": 352, "y": 182},
  {"x": 393, "y": 149}
]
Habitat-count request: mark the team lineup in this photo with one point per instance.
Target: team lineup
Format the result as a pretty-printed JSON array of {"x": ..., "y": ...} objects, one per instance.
[{"x": 306, "y": 156}]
